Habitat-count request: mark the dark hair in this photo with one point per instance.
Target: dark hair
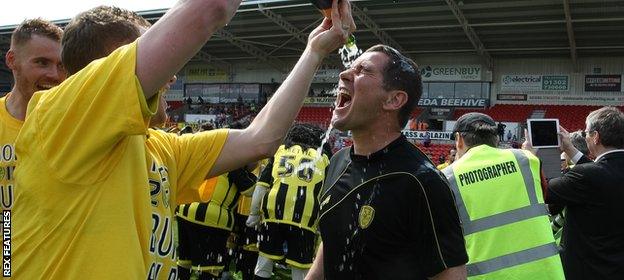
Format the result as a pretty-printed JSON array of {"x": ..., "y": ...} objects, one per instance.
[
  {"x": 305, "y": 135},
  {"x": 479, "y": 133},
  {"x": 207, "y": 126},
  {"x": 185, "y": 130},
  {"x": 36, "y": 26},
  {"x": 578, "y": 141},
  {"x": 609, "y": 123},
  {"x": 96, "y": 33},
  {"x": 401, "y": 73}
]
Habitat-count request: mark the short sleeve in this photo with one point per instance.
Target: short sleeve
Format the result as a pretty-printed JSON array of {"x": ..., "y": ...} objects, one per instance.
[
  {"x": 195, "y": 154},
  {"x": 266, "y": 176},
  {"x": 243, "y": 179},
  {"x": 81, "y": 126},
  {"x": 444, "y": 244}
]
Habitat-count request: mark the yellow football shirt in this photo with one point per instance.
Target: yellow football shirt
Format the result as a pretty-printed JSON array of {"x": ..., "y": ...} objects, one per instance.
[
  {"x": 9, "y": 128},
  {"x": 177, "y": 167},
  {"x": 218, "y": 211},
  {"x": 294, "y": 181},
  {"x": 86, "y": 205},
  {"x": 244, "y": 201}
]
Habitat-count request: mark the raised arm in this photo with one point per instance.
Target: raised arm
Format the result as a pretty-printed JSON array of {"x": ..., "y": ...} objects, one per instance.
[
  {"x": 265, "y": 133},
  {"x": 168, "y": 45}
]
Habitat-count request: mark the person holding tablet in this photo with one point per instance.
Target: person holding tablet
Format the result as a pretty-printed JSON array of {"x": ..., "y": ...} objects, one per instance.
[{"x": 592, "y": 193}]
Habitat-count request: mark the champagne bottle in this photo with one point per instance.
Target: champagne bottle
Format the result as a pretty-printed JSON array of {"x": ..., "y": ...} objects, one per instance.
[
  {"x": 325, "y": 6},
  {"x": 349, "y": 52}
]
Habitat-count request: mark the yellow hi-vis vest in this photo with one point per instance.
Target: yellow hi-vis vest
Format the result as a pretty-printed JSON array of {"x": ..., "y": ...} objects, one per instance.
[{"x": 504, "y": 218}]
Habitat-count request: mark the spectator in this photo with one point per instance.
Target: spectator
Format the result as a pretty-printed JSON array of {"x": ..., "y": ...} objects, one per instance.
[
  {"x": 578, "y": 141},
  {"x": 449, "y": 160},
  {"x": 501, "y": 131},
  {"x": 413, "y": 123},
  {"x": 592, "y": 193},
  {"x": 423, "y": 126},
  {"x": 427, "y": 141},
  {"x": 507, "y": 231},
  {"x": 565, "y": 163}
]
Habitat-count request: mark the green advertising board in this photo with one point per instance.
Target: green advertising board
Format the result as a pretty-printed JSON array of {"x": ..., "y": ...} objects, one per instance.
[{"x": 559, "y": 83}]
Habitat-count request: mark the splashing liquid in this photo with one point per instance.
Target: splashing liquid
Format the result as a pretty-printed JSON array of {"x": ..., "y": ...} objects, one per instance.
[
  {"x": 319, "y": 154},
  {"x": 349, "y": 52}
]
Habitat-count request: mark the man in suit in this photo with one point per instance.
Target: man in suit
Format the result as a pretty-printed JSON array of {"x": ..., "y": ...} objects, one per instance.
[{"x": 594, "y": 196}]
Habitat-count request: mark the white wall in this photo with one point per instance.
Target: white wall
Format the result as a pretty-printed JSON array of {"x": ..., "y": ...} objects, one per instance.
[
  {"x": 560, "y": 66},
  {"x": 259, "y": 72}
]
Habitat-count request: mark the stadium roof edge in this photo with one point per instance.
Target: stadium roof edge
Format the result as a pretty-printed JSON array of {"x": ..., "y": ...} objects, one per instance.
[{"x": 506, "y": 29}]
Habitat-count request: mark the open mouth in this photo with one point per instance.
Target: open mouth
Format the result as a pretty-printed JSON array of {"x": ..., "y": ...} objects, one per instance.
[{"x": 344, "y": 99}]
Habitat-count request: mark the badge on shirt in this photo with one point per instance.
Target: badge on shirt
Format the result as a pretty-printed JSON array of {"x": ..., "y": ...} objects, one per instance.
[{"x": 367, "y": 213}]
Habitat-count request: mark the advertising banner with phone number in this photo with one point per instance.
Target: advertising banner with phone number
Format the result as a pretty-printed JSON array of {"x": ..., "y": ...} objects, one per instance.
[{"x": 522, "y": 83}]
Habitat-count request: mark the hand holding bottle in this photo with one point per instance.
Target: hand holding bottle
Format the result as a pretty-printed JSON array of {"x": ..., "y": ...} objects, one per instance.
[{"x": 333, "y": 32}]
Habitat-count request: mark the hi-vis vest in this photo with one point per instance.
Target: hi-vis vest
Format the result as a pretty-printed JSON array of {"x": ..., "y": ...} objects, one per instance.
[{"x": 504, "y": 218}]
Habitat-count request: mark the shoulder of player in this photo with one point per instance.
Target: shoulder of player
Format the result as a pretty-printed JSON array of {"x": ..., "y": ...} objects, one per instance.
[
  {"x": 408, "y": 158},
  {"x": 161, "y": 140},
  {"x": 157, "y": 134},
  {"x": 423, "y": 175}
]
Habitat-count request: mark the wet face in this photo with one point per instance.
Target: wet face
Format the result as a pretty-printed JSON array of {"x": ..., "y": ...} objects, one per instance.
[
  {"x": 161, "y": 116},
  {"x": 360, "y": 93},
  {"x": 36, "y": 65}
]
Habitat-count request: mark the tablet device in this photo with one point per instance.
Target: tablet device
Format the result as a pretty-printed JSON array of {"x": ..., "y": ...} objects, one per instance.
[{"x": 543, "y": 133}]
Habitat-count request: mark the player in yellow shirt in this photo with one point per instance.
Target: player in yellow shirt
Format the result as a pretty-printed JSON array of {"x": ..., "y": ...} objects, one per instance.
[
  {"x": 449, "y": 160},
  {"x": 289, "y": 188},
  {"x": 204, "y": 227},
  {"x": 35, "y": 61},
  {"x": 88, "y": 160},
  {"x": 244, "y": 239}
]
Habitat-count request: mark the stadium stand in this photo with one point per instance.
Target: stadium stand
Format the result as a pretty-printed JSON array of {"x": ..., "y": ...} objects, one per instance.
[
  {"x": 436, "y": 150},
  {"x": 506, "y": 113},
  {"x": 316, "y": 115},
  {"x": 571, "y": 117}
]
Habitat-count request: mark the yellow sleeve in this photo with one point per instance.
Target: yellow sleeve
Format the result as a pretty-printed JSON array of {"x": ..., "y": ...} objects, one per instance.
[
  {"x": 195, "y": 156},
  {"x": 207, "y": 189},
  {"x": 81, "y": 126}
]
